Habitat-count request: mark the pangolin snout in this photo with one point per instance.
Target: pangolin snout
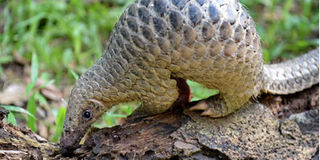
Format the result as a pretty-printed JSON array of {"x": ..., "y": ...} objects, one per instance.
[{"x": 69, "y": 141}]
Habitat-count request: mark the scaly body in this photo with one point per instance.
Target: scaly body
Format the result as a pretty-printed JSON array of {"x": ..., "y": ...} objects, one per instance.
[{"x": 211, "y": 42}]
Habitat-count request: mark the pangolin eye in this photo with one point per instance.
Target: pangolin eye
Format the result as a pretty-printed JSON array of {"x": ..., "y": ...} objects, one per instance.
[{"x": 86, "y": 114}]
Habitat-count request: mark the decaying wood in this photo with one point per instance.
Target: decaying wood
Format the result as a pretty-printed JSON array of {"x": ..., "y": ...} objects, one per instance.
[
  {"x": 22, "y": 143},
  {"x": 253, "y": 132}
]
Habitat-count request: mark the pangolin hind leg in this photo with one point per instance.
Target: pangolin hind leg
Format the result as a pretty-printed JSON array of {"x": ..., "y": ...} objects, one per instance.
[{"x": 219, "y": 105}]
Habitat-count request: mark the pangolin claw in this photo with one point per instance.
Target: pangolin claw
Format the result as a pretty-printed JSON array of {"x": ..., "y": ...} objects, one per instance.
[{"x": 201, "y": 106}]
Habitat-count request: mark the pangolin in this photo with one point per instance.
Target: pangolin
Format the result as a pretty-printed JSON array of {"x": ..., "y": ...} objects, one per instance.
[{"x": 157, "y": 44}]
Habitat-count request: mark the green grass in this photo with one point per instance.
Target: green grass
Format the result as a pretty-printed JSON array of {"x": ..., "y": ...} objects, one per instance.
[
  {"x": 285, "y": 27},
  {"x": 59, "y": 123},
  {"x": 15, "y": 109},
  {"x": 61, "y": 40},
  {"x": 65, "y": 36}
]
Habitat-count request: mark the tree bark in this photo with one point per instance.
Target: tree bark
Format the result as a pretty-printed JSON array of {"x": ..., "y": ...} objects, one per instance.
[{"x": 283, "y": 127}]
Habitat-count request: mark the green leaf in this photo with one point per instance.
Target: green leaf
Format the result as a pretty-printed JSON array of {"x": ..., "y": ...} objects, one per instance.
[
  {"x": 5, "y": 59},
  {"x": 117, "y": 115},
  {"x": 277, "y": 50},
  {"x": 40, "y": 98},
  {"x": 199, "y": 92},
  {"x": 266, "y": 56},
  {"x": 33, "y": 20},
  {"x": 59, "y": 123},
  {"x": 28, "y": 89},
  {"x": 31, "y": 107},
  {"x": 67, "y": 57},
  {"x": 34, "y": 69},
  {"x": 12, "y": 119},
  {"x": 74, "y": 74},
  {"x": 18, "y": 109}
]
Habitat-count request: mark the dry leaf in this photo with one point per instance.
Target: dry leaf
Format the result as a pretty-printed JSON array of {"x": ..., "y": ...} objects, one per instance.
[{"x": 13, "y": 94}]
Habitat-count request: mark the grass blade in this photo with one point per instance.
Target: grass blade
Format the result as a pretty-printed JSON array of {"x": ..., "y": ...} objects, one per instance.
[
  {"x": 31, "y": 107},
  {"x": 74, "y": 74},
  {"x": 59, "y": 123},
  {"x": 18, "y": 109},
  {"x": 34, "y": 68},
  {"x": 12, "y": 119}
]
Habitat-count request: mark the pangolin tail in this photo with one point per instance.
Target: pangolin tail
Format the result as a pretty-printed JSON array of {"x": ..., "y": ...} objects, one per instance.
[{"x": 292, "y": 76}]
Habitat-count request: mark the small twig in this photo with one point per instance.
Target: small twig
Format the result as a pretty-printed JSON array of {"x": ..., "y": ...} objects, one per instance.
[{"x": 11, "y": 152}]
